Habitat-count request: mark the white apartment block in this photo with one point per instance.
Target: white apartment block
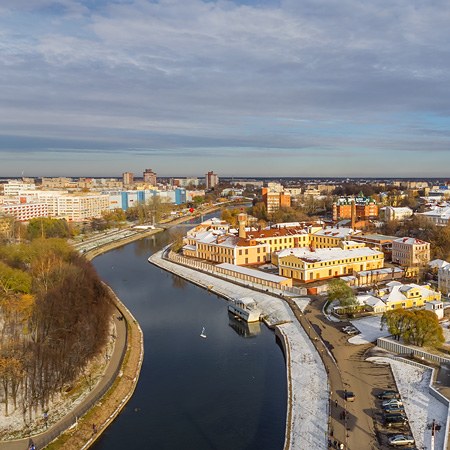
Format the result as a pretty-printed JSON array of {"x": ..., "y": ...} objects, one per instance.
[
  {"x": 12, "y": 188},
  {"x": 392, "y": 213},
  {"x": 62, "y": 205},
  {"x": 77, "y": 208},
  {"x": 410, "y": 252},
  {"x": 24, "y": 212},
  {"x": 185, "y": 182},
  {"x": 438, "y": 215},
  {"x": 275, "y": 187}
]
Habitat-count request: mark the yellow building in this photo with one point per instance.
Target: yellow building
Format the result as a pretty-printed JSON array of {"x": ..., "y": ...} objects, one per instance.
[
  {"x": 216, "y": 243},
  {"x": 332, "y": 236},
  {"x": 309, "y": 265},
  {"x": 398, "y": 295}
]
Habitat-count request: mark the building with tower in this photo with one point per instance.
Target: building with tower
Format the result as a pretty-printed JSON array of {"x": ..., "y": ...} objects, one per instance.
[{"x": 359, "y": 209}]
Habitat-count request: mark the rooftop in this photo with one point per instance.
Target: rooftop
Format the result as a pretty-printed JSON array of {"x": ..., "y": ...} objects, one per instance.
[
  {"x": 327, "y": 254},
  {"x": 410, "y": 241},
  {"x": 341, "y": 232}
]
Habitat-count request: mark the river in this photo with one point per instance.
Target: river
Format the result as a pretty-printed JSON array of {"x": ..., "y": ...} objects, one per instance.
[{"x": 225, "y": 392}]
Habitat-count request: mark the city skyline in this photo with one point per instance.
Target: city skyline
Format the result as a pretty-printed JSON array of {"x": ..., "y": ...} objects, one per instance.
[{"x": 244, "y": 88}]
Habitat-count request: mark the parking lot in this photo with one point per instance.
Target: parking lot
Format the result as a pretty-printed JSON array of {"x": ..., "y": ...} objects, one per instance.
[{"x": 388, "y": 429}]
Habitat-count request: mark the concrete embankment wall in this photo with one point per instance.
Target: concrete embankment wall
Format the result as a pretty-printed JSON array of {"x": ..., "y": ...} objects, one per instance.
[{"x": 287, "y": 355}]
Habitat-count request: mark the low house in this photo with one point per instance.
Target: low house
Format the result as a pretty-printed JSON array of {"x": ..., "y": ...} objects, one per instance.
[
  {"x": 374, "y": 303},
  {"x": 398, "y": 295}
]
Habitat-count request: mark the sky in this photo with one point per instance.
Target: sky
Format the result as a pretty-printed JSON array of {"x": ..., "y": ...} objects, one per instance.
[{"x": 245, "y": 88}]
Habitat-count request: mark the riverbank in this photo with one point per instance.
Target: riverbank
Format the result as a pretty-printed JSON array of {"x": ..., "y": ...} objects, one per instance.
[
  {"x": 307, "y": 414},
  {"x": 102, "y": 404},
  {"x": 90, "y": 427},
  {"x": 92, "y": 248}
]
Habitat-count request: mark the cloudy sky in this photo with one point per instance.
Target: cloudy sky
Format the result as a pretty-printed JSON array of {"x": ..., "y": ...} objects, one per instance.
[{"x": 251, "y": 87}]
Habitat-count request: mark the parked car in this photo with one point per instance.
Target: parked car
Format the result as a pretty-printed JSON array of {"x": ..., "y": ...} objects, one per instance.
[
  {"x": 392, "y": 402},
  {"x": 349, "y": 396},
  {"x": 353, "y": 331},
  {"x": 391, "y": 420},
  {"x": 401, "y": 439},
  {"x": 394, "y": 410},
  {"x": 387, "y": 395},
  {"x": 350, "y": 329}
]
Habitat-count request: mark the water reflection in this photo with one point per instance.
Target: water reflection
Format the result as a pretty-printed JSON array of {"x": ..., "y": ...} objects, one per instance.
[
  {"x": 243, "y": 328},
  {"x": 178, "y": 282}
]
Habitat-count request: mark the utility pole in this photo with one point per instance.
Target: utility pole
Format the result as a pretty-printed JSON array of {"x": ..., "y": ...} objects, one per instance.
[{"x": 434, "y": 427}]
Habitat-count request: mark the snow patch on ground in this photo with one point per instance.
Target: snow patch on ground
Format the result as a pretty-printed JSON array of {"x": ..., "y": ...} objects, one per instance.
[
  {"x": 309, "y": 390},
  {"x": 370, "y": 330},
  {"x": 302, "y": 302},
  {"x": 420, "y": 406}
]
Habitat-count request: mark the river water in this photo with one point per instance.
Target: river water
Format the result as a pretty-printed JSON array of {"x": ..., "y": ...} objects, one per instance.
[{"x": 225, "y": 392}]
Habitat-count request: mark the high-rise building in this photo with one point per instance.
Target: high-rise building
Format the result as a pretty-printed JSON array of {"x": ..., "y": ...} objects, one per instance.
[
  {"x": 211, "y": 180},
  {"x": 150, "y": 177},
  {"x": 275, "y": 197},
  {"x": 128, "y": 178}
]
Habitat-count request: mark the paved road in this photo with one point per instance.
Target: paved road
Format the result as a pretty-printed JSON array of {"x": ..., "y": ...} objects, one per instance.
[{"x": 359, "y": 431}]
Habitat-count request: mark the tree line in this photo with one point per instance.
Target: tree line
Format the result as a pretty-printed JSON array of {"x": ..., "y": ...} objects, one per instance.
[
  {"x": 414, "y": 326},
  {"x": 54, "y": 318},
  {"x": 422, "y": 228}
]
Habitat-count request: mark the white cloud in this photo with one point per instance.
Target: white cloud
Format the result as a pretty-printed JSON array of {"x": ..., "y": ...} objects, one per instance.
[{"x": 215, "y": 72}]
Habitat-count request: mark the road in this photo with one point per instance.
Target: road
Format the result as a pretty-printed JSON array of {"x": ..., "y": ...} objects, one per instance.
[{"x": 360, "y": 427}]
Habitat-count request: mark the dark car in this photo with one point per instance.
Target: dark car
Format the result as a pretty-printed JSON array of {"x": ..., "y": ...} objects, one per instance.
[
  {"x": 391, "y": 420},
  {"x": 394, "y": 410},
  {"x": 387, "y": 395},
  {"x": 349, "y": 396}
]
